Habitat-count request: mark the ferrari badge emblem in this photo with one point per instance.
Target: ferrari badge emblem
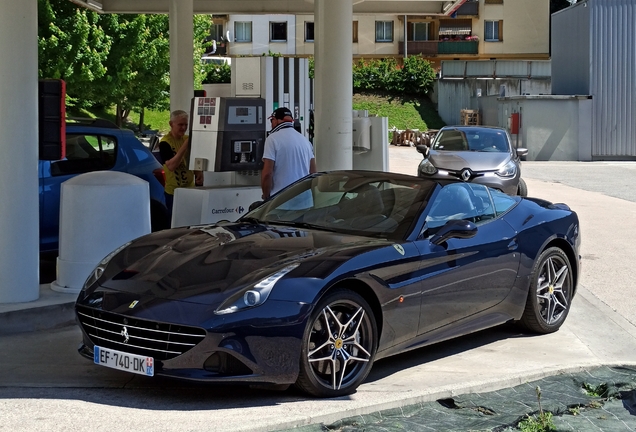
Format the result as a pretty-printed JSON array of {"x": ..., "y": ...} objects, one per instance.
[{"x": 133, "y": 304}]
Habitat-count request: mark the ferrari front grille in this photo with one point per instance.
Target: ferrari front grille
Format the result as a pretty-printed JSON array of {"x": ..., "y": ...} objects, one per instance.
[{"x": 159, "y": 340}]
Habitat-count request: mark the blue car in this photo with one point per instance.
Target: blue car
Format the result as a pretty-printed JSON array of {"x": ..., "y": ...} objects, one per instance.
[
  {"x": 96, "y": 145},
  {"x": 330, "y": 274}
]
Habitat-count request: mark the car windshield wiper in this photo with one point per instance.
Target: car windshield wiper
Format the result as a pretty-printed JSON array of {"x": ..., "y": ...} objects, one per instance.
[
  {"x": 250, "y": 220},
  {"x": 301, "y": 225}
]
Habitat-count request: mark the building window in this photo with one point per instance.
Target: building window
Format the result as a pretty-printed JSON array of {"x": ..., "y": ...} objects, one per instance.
[
  {"x": 309, "y": 32},
  {"x": 243, "y": 31},
  {"x": 419, "y": 31},
  {"x": 493, "y": 31},
  {"x": 384, "y": 31},
  {"x": 278, "y": 31},
  {"x": 355, "y": 32}
]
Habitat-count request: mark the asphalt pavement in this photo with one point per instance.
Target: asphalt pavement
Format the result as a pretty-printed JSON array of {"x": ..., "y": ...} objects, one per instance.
[{"x": 46, "y": 385}]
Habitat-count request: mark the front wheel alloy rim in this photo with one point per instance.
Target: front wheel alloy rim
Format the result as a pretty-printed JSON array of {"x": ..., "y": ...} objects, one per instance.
[
  {"x": 340, "y": 344},
  {"x": 553, "y": 290}
]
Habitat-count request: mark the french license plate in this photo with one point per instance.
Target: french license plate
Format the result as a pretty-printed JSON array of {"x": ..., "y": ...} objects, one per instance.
[{"x": 124, "y": 361}]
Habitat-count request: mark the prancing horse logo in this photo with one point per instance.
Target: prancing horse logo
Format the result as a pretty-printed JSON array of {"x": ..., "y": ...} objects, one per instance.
[{"x": 124, "y": 333}]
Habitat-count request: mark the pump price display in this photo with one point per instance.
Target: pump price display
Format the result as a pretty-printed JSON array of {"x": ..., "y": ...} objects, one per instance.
[{"x": 124, "y": 361}]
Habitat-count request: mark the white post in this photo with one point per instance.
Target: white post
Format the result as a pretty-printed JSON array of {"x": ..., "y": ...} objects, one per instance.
[
  {"x": 181, "y": 54},
  {"x": 334, "y": 84},
  {"x": 19, "y": 212},
  {"x": 405, "y": 36}
]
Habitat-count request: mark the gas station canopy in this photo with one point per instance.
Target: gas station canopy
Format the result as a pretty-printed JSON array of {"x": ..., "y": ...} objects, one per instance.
[{"x": 419, "y": 7}]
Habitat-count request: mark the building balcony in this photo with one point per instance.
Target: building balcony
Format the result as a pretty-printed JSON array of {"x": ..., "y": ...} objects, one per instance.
[
  {"x": 457, "y": 47},
  {"x": 429, "y": 48}
]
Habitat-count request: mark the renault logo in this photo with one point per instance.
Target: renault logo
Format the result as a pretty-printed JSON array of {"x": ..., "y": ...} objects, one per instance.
[
  {"x": 466, "y": 174},
  {"x": 124, "y": 333}
]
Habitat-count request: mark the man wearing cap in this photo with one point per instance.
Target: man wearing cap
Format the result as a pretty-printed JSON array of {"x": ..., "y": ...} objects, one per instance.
[{"x": 288, "y": 155}]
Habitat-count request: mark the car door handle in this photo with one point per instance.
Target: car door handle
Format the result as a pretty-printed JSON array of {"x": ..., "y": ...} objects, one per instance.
[{"x": 513, "y": 245}]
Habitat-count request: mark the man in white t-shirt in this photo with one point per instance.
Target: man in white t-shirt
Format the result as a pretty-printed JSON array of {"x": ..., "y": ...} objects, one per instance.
[{"x": 288, "y": 155}]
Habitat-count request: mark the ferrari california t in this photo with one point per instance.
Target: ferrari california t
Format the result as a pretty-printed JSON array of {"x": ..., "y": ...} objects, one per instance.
[{"x": 332, "y": 273}]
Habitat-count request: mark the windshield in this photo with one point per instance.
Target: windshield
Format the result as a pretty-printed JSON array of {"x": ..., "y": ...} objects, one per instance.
[
  {"x": 472, "y": 139},
  {"x": 362, "y": 203}
]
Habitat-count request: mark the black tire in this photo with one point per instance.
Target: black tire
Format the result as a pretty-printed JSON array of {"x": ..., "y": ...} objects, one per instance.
[
  {"x": 550, "y": 293},
  {"x": 522, "y": 188},
  {"x": 341, "y": 337}
]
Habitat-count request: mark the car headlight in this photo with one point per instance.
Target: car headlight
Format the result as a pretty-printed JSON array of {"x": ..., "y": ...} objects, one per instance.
[
  {"x": 508, "y": 170},
  {"x": 426, "y": 167},
  {"x": 101, "y": 267},
  {"x": 256, "y": 295}
]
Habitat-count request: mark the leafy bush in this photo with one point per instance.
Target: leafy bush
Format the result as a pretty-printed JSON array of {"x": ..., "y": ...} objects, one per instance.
[
  {"x": 218, "y": 74},
  {"x": 415, "y": 77}
]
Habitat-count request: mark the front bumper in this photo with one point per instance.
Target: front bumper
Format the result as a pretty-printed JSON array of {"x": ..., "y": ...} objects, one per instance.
[
  {"x": 261, "y": 345},
  {"x": 508, "y": 185}
]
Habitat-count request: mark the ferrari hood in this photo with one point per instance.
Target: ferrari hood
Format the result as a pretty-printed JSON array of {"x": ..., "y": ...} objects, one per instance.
[
  {"x": 476, "y": 161},
  {"x": 206, "y": 264}
]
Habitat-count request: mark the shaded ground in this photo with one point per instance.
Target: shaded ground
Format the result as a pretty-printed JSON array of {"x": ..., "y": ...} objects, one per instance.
[{"x": 602, "y": 399}]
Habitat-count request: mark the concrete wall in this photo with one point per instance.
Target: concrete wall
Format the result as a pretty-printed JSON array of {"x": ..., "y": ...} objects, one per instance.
[
  {"x": 525, "y": 27},
  {"x": 366, "y": 44},
  {"x": 551, "y": 127},
  {"x": 456, "y": 94}
]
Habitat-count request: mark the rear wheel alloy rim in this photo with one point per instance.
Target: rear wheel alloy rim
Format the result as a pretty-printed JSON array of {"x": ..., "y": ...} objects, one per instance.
[
  {"x": 552, "y": 290},
  {"x": 340, "y": 344}
]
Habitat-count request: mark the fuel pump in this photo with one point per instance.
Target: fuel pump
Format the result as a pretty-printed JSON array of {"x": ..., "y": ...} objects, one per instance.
[{"x": 227, "y": 136}]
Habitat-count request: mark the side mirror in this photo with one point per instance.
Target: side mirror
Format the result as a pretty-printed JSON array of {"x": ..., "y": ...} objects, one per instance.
[
  {"x": 424, "y": 149},
  {"x": 460, "y": 229},
  {"x": 255, "y": 204},
  {"x": 522, "y": 153}
]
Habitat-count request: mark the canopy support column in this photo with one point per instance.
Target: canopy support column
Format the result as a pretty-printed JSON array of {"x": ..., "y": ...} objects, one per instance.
[
  {"x": 181, "y": 54},
  {"x": 334, "y": 84}
]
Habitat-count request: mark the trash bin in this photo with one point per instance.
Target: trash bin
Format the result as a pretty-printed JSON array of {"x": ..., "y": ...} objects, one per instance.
[{"x": 99, "y": 212}]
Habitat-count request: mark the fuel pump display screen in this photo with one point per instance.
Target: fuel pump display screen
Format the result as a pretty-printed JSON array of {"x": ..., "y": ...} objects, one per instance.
[{"x": 241, "y": 115}]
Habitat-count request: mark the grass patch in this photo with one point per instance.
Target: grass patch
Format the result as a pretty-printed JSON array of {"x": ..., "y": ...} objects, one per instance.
[
  {"x": 154, "y": 120},
  {"x": 403, "y": 112}
]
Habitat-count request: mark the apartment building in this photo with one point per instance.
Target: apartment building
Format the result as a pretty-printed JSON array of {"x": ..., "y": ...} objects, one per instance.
[{"x": 479, "y": 29}]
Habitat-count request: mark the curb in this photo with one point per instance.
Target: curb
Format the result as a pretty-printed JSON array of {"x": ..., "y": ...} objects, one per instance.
[{"x": 50, "y": 311}]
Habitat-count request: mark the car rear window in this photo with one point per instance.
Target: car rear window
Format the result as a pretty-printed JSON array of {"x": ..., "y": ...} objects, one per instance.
[{"x": 86, "y": 153}]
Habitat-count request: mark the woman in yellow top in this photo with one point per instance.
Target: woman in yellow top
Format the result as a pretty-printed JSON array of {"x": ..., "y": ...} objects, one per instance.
[{"x": 174, "y": 147}]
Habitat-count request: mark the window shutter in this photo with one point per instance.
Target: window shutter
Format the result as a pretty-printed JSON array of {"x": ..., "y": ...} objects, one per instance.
[
  {"x": 355, "y": 32},
  {"x": 501, "y": 30}
]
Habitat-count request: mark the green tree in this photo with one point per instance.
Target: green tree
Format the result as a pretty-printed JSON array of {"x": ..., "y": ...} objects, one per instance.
[
  {"x": 110, "y": 59},
  {"x": 137, "y": 66},
  {"x": 71, "y": 46},
  {"x": 139, "y": 62},
  {"x": 201, "y": 30}
]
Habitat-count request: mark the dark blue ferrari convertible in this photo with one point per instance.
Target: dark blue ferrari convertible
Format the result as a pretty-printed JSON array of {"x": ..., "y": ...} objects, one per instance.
[{"x": 335, "y": 271}]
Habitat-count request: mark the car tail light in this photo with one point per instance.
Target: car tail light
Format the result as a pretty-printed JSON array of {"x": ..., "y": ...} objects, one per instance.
[{"x": 160, "y": 175}]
